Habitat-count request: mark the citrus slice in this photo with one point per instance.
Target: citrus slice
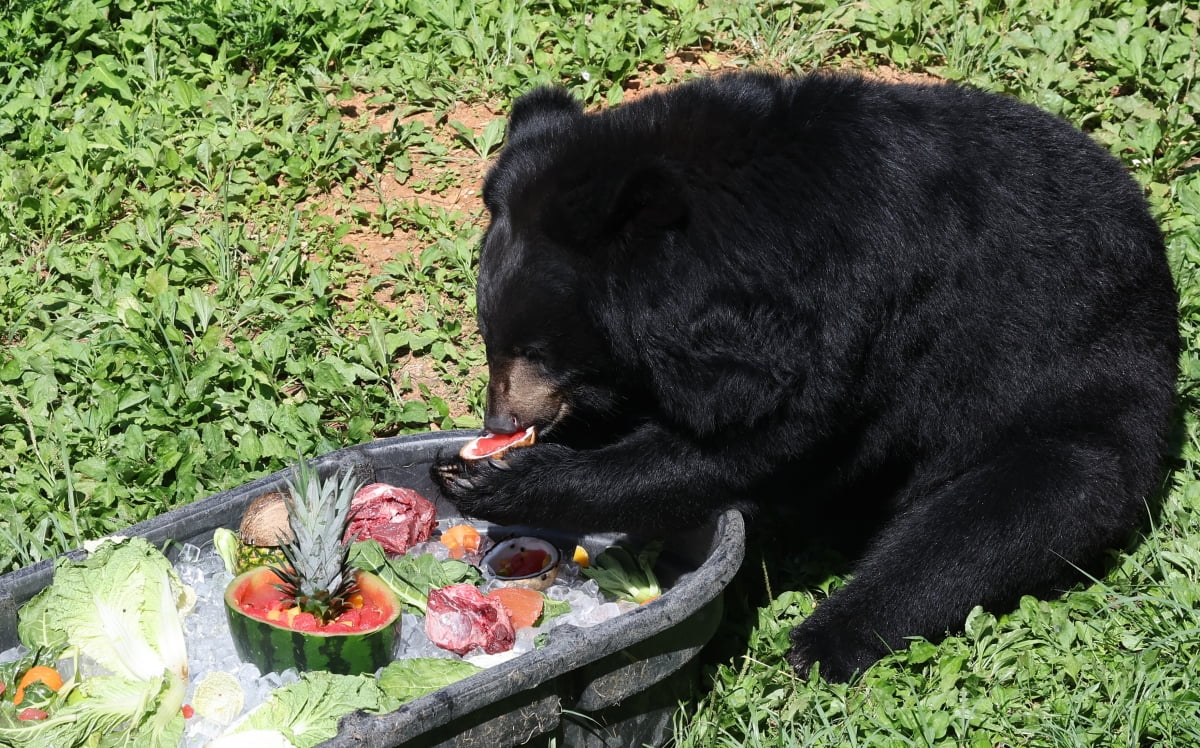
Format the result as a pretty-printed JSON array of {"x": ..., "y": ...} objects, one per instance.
[
  {"x": 524, "y": 605},
  {"x": 219, "y": 697},
  {"x": 495, "y": 445}
]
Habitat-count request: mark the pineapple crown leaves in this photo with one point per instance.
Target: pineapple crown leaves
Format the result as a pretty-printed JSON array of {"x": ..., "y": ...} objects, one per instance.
[{"x": 321, "y": 578}]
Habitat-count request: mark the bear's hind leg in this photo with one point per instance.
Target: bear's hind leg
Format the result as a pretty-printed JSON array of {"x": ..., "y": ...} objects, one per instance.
[{"x": 1023, "y": 522}]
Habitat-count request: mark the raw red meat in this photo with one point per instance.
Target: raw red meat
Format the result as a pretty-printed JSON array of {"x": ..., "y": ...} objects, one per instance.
[
  {"x": 460, "y": 618},
  {"x": 397, "y": 517}
]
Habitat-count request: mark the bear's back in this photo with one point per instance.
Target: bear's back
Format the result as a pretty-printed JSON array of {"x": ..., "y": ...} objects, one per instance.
[{"x": 926, "y": 257}]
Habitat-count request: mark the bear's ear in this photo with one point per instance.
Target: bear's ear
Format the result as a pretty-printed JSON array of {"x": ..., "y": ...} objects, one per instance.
[{"x": 540, "y": 110}]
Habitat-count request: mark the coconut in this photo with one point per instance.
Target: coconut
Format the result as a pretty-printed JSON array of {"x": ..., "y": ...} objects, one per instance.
[
  {"x": 265, "y": 521},
  {"x": 508, "y": 563},
  {"x": 495, "y": 445}
]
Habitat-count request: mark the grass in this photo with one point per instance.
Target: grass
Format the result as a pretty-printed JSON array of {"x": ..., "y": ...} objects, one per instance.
[{"x": 188, "y": 299}]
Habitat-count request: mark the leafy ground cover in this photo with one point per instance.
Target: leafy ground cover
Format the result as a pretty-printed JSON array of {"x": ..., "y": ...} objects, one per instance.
[{"x": 235, "y": 231}]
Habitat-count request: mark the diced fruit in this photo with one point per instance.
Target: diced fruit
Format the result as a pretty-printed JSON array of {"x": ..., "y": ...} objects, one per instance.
[
  {"x": 32, "y": 714},
  {"x": 581, "y": 556},
  {"x": 187, "y": 711},
  {"x": 259, "y": 590},
  {"x": 251, "y": 556},
  {"x": 305, "y": 622},
  {"x": 524, "y": 563},
  {"x": 461, "y": 540},
  {"x": 495, "y": 445},
  {"x": 524, "y": 605}
]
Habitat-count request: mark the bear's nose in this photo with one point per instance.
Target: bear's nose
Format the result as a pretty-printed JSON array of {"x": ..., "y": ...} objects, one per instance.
[{"x": 500, "y": 423}]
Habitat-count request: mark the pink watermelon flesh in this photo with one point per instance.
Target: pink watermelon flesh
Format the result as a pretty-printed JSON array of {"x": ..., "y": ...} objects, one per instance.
[{"x": 490, "y": 444}]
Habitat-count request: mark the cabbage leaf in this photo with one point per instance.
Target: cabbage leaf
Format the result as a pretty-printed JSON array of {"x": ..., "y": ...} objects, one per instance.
[
  {"x": 411, "y": 678},
  {"x": 306, "y": 712},
  {"x": 118, "y": 609}
]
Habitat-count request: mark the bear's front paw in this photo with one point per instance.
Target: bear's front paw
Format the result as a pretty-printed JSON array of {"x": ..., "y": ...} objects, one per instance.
[
  {"x": 477, "y": 488},
  {"x": 840, "y": 652}
]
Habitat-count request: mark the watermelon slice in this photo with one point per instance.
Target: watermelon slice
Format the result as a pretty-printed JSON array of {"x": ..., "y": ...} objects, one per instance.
[
  {"x": 368, "y": 639},
  {"x": 495, "y": 445}
]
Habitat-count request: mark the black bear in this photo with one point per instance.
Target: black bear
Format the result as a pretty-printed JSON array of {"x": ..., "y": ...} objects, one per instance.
[{"x": 944, "y": 312}]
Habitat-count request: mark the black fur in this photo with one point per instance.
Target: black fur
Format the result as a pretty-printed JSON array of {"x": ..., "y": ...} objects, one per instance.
[{"x": 927, "y": 305}]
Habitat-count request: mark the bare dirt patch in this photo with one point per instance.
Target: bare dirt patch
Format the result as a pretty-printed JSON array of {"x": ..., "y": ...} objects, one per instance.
[
  {"x": 453, "y": 181},
  {"x": 449, "y": 179}
]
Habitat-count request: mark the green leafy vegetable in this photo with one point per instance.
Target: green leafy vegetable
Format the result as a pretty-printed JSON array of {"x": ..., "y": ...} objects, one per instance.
[
  {"x": 412, "y": 576},
  {"x": 409, "y": 679},
  {"x": 622, "y": 575},
  {"x": 551, "y": 609},
  {"x": 306, "y": 713},
  {"x": 227, "y": 545},
  {"x": 118, "y": 608}
]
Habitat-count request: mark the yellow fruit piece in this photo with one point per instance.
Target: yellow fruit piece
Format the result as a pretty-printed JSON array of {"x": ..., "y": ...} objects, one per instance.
[{"x": 581, "y": 556}]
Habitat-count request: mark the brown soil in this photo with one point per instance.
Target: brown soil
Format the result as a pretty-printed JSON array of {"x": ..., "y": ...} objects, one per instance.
[
  {"x": 452, "y": 182},
  {"x": 463, "y": 169}
]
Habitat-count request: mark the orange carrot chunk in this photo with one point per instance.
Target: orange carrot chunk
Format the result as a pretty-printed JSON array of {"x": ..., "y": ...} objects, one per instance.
[{"x": 37, "y": 674}]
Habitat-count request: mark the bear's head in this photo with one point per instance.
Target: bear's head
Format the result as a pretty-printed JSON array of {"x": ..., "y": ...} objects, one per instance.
[{"x": 562, "y": 214}]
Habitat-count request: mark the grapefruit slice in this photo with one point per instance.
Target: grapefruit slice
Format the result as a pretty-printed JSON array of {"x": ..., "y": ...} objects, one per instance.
[
  {"x": 495, "y": 445},
  {"x": 524, "y": 605}
]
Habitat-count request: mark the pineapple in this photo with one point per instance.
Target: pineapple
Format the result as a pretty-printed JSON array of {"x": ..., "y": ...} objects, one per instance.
[
  {"x": 263, "y": 529},
  {"x": 318, "y": 577}
]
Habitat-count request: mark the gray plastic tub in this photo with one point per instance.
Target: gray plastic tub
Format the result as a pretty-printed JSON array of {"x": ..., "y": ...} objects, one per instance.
[{"x": 614, "y": 684}]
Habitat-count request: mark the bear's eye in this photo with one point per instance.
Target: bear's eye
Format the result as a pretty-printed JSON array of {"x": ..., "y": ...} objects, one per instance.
[{"x": 529, "y": 353}]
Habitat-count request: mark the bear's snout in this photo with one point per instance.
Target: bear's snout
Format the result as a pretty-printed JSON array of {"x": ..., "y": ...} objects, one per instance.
[
  {"x": 520, "y": 396},
  {"x": 501, "y": 423}
]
